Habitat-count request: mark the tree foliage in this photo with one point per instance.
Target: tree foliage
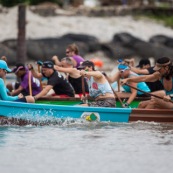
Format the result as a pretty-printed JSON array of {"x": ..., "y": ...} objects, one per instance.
[{"x": 10, "y": 3}]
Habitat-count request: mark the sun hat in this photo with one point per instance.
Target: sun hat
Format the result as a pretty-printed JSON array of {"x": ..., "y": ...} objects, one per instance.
[
  {"x": 18, "y": 67},
  {"x": 48, "y": 64},
  {"x": 3, "y": 65},
  {"x": 123, "y": 67}
]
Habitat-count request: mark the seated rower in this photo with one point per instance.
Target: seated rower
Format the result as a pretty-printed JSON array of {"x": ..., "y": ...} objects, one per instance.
[
  {"x": 130, "y": 93},
  {"x": 99, "y": 88},
  {"x": 56, "y": 81},
  {"x": 164, "y": 73},
  {"x": 73, "y": 76},
  {"x": 3, "y": 92},
  {"x": 144, "y": 68},
  {"x": 22, "y": 74},
  {"x": 72, "y": 52}
]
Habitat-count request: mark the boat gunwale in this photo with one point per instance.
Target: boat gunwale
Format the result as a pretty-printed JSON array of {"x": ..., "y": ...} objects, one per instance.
[{"x": 63, "y": 107}]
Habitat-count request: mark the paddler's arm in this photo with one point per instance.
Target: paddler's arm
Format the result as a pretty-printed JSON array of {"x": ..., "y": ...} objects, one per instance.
[
  {"x": 17, "y": 91},
  {"x": 65, "y": 70},
  {"x": 133, "y": 93},
  {"x": 56, "y": 60},
  {"x": 139, "y": 71},
  {"x": 34, "y": 73},
  {"x": 95, "y": 74},
  {"x": 43, "y": 92},
  {"x": 146, "y": 78},
  {"x": 114, "y": 77}
]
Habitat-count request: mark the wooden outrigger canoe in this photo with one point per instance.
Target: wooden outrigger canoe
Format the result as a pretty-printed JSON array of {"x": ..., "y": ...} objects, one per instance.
[{"x": 47, "y": 109}]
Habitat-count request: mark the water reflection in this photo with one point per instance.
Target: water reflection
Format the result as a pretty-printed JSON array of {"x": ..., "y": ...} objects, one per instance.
[
  {"x": 3, "y": 131},
  {"x": 78, "y": 146}
]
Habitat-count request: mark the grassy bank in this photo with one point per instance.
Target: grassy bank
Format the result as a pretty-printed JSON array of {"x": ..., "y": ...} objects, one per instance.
[{"x": 166, "y": 20}]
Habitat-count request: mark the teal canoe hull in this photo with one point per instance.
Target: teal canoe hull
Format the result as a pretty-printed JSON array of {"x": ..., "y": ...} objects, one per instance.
[{"x": 37, "y": 112}]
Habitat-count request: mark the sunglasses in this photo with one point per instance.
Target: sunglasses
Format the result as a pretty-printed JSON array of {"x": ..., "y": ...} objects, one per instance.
[{"x": 67, "y": 52}]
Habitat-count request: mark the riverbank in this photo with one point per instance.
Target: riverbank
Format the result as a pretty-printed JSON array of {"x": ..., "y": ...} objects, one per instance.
[{"x": 101, "y": 27}]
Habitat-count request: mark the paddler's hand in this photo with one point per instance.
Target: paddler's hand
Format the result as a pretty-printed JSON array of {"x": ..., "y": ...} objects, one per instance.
[
  {"x": 55, "y": 58},
  {"x": 30, "y": 66},
  {"x": 124, "y": 81},
  {"x": 84, "y": 99},
  {"x": 167, "y": 98},
  {"x": 128, "y": 61},
  {"x": 126, "y": 105},
  {"x": 4, "y": 58},
  {"x": 83, "y": 73},
  {"x": 39, "y": 63},
  {"x": 20, "y": 96}
]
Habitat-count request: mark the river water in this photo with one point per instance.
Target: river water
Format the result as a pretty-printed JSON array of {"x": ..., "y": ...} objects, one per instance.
[{"x": 76, "y": 147}]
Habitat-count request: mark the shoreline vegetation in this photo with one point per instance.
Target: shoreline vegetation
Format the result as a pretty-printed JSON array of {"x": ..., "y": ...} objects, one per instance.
[
  {"x": 50, "y": 21},
  {"x": 158, "y": 14},
  {"x": 166, "y": 20}
]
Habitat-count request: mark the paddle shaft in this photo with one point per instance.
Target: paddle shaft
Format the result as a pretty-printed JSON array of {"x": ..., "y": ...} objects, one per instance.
[
  {"x": 149, "y": 94},
  {"x": 83, "y": 90},
  {"x": 115, "y": 94},
  {"x": 29, "y": 82},
  {"x": 83, "y": 86},
  {"x": 39, "y": 70}
]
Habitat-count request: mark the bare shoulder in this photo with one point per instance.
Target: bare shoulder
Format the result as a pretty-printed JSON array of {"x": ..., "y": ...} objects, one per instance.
[
  {"x": 153, "y": 77},
  {"x": 156, "y": 74}
]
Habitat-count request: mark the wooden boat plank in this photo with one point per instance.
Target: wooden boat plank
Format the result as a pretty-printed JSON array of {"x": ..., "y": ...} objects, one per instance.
[{"x": 156, "y": 115}]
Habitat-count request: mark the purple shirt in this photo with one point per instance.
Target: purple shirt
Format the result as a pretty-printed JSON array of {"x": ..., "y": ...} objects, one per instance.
[
  {"x": 35, "y": 83},
  {"x": 78, "y": 59}
]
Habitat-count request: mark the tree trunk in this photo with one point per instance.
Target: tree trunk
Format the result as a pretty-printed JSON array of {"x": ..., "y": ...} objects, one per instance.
[{"x": 21, "y": 42}]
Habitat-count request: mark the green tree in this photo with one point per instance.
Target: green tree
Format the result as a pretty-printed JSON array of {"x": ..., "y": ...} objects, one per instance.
[
  {"x": 10, "y": 3},
  {"x": 35, "y": 2}
]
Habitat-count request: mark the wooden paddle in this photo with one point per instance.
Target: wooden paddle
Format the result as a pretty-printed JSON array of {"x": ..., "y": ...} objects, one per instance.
[
  {"x": 83, "y": 89},
  {"x": 149, "y": 94},
  {"x": 39, "y": 63},
  {"x": 29, "y": 82},
  {"x": 115, "y": 94}
]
